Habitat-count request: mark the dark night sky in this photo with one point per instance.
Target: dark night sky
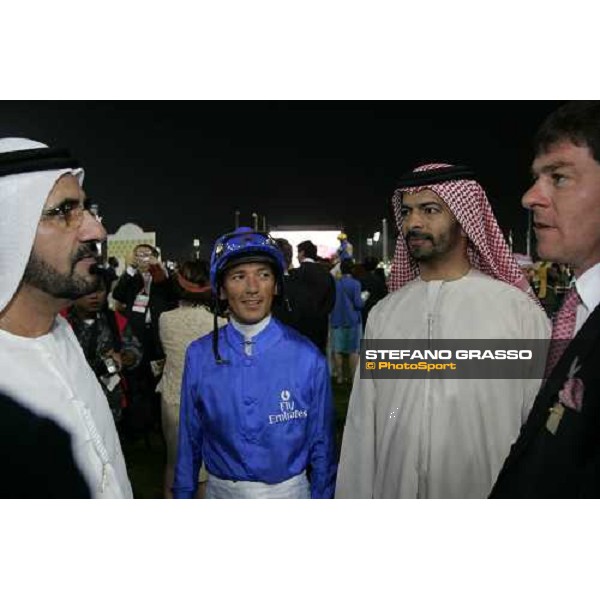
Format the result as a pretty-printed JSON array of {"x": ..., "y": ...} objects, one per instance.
[{"x": 183, "y": 168}]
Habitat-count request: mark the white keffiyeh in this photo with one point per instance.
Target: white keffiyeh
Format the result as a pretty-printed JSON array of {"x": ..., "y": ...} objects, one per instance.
[{"x": 22, "y": 197}]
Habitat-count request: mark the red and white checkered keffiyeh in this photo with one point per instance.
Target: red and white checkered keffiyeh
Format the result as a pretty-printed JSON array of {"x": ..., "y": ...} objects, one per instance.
[{"x": 487, "y": 250}]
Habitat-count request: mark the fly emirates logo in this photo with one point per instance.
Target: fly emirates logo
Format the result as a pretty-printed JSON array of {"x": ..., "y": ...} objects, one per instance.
[{"x": 288, "y": 410}]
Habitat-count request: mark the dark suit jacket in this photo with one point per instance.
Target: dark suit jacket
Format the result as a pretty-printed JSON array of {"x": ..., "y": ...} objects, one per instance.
[
  {"x": 314, "y": 324},
  {"x": 373, "y": 283},
  {"x": 296, "y": 308},
  {"x": 162, "y": 298},
  {"x": 565, "y": 464}
]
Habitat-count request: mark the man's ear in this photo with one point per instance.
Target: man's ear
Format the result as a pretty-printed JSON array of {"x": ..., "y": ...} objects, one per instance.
[{"x": 222, "y": 294}]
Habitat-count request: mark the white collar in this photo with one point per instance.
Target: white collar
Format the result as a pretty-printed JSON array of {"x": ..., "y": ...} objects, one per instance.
[
  {"x": 308, "y": 260},
  {"x": 250, "y": 331},
  {"x": 588, "y": 287}
]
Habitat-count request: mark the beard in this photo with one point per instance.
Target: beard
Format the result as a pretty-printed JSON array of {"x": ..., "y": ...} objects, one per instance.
[
  {"x": 438, "y": 247},
  {"x": 43, "y": 276},
  {"x": 420, "y": 252}
]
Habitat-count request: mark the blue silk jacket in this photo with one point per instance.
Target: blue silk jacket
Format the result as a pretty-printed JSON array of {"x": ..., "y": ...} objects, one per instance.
[{"x": 264, "y": 417}]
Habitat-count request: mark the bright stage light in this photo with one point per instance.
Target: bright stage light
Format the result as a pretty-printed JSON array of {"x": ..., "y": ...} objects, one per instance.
[{"x": 325, "y": 240}]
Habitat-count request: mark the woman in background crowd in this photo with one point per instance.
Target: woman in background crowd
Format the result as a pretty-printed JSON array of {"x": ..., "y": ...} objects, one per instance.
[{"x": 191, "y": 320}]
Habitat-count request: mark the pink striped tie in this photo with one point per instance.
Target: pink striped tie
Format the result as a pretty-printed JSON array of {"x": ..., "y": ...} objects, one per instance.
[{"x": 563, "y": 327}]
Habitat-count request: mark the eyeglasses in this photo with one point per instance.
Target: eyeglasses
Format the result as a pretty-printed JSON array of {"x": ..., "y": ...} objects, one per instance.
[{"x": 70, "y": 212}]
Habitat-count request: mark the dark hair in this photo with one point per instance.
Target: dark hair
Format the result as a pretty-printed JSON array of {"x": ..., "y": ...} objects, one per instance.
[
  {"x": 104, "y": 282},
  {"x": 358, "y": 271},
  {"x": 150, "y": 247},
  {"x": 346, "y": 266},
  {"x": 577, "y": 122},
  {"x": 113, "y": 262},
  {"x": 370, "y": 263},
  {"x": 286, "y": 250},
  {"x": 195, "y": 272},
  {"x": 309, "y": 249}
]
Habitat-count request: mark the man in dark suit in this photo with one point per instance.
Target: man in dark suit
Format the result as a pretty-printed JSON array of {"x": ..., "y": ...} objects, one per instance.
[
  {"x": 146, "y": 292},
  {"x": 322, "y": 285},
  {"x": 296, "y": 307},
  {"x": 557, "y": 454},
  {"x": 373, "y": 281}
]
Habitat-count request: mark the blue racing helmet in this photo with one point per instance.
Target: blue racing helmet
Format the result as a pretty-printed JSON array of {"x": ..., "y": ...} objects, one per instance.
[{"x": 244, "y": 245}]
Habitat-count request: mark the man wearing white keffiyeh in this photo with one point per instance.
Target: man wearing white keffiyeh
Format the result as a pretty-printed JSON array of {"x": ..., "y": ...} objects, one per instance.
[
  {"x": 48, "y": 242},
  {"x": 454, "y": 278}
]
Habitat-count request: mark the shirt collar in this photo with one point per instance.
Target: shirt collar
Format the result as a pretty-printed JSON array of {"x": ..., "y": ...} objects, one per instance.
[
  {"x": 261, "y": 341},
  {"x": 249, "y": 331},
  {"x": 588, "y": 287}
]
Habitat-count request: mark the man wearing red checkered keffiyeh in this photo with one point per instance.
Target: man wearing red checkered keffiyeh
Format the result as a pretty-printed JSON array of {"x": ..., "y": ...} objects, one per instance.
[
  {"x": 454, "y": 279},
  {"x": 465, "y": 198}
]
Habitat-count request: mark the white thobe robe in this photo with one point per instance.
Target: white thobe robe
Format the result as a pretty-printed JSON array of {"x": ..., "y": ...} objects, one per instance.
[
  {"x": 436, "y": 438},
  {"x": 50, "y": 376}
]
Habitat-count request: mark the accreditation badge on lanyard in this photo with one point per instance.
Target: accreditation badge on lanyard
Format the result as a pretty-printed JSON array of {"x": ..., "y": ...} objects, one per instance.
[{"x": 140, "y": 304}]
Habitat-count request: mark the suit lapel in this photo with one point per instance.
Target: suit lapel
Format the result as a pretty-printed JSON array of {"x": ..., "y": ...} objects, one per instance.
[{"x": 579, "y": 348}]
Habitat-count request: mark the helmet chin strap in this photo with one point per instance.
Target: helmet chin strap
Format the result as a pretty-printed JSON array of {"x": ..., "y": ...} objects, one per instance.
[{"x": 215, "y": 341}]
